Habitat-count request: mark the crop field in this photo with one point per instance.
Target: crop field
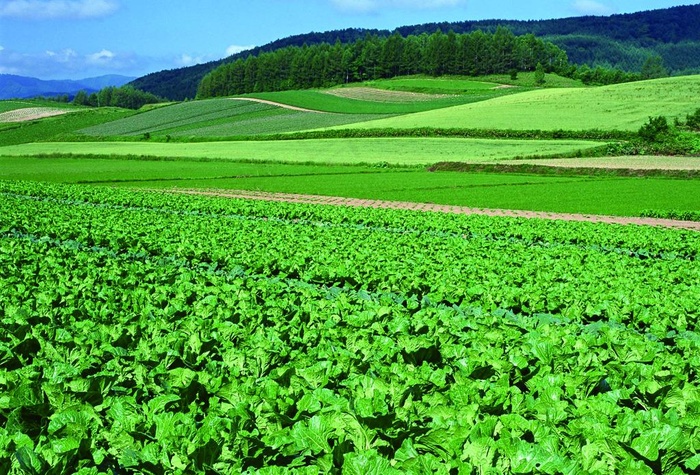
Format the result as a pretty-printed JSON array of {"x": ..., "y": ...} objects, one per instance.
[
  {"x": 147, "y": 330},
  {"x": 11, "y": 105},
  {"x": 633, "y": 163},
  {"x": 220, "y": 118},
  {"x": 58, "y": 127},
  {"x": 204, "y": 335},
  {"x": 398, "y": 151},
  {"x": 617, "y": 107},
  {"x": 32, "y": 113},
  {"x": 327, "y": 101},
  {"x": 159, "y": 172},
  {"x": 621, "y": 196}
]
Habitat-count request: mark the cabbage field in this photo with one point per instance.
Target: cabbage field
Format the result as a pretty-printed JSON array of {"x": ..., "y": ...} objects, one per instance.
[{"x": 152, "y": 333}]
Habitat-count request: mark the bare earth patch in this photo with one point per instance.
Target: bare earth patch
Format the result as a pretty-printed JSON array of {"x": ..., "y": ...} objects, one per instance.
[
  {"x": 31, "y": 113},
  {"x": 382, "y": 95},
  {"x": 627, "y": 163},
  {"x": 339, "y": 201}
]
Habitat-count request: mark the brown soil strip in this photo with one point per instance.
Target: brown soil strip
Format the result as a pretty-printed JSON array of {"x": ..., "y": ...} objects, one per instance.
[
  {"x": 339, "y": 201},
  {"x": 278, "y": 104}
]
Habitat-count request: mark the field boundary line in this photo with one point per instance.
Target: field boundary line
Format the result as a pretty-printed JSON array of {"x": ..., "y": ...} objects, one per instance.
[
  {"x": 432, "y": 207},
  {"x": 277, "y": 104}
]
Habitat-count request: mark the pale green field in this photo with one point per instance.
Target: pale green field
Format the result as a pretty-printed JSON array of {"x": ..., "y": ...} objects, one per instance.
[
  {"x": 617, "y": 107},
  {"x": 403, "y": 151},
  {"x": 629, "y": 163}
]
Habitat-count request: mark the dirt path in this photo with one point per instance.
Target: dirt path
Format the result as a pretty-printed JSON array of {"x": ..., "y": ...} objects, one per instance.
[
  {"x": 278, "y": 104},
  {"x": 338, "y": 201}
]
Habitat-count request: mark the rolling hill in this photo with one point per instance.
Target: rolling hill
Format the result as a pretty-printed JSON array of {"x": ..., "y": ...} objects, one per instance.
[
  {"x": 622, "y": 41},
  {"x": 21, "y": 87},
  {"x": 617, "y": 107}
]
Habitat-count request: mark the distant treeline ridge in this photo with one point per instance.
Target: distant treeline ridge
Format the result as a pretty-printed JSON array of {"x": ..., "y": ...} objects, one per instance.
[{"x": 374, "y": 57}]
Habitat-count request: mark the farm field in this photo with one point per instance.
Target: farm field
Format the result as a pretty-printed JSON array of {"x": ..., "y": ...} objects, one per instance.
[
  {"x": 395, "y": 151},
  {"x": 59, "y": 127},
  {"x": 219, "y": 118},
  {"x": 617, "y": 107},
  {"x": 151, "y": 330},
  {"x": 135, "y": 171},
  {"x": 631, "y": 162},
  {"x": 209, "y": 335},
  {"x": 622, "y": 196}
]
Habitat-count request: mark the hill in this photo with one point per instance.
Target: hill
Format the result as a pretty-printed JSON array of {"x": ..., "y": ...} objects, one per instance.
[
  {"x": 617, "y": 107},
  {"x": 22, "y": 87},
  {"x": 622, "y": 41}
]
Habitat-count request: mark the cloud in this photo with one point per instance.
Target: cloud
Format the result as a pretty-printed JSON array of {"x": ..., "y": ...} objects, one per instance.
[
  {"x": 57, "y": 9},
  {"x": 102, "y": 58},
  {"x": 367, "y": 6},
  {"x": 234, "y": 49},
  {"x": 189, "y": 60},
  {"x": 591, "y": 7},
  {"x": 69, "y": 63}
]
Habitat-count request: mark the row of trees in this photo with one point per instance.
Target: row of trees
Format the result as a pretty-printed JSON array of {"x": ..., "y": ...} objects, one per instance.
[
  {"x": 125, "y": 96},
  {"x": 374, "y": 57}
]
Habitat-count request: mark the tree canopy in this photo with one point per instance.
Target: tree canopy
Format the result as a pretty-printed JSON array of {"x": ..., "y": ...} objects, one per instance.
[{"x": 375, "y": 57}]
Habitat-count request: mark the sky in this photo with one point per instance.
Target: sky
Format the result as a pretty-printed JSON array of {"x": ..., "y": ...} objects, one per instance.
[{"x": 75, "y": 39}]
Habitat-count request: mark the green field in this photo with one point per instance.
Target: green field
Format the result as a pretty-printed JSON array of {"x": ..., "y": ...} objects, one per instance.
[
  {"x": 624, "y": 196},
  {"x": 219, "y": 118},
  {"x": 397, "y": 151},
  {"x": 461, "y": 85},
  {"x": 154, "y": 333},
  {"x": 10, "y": 105},
  {"x": 616, "y": 107},
  {"x": 58, "y": 127},
  {"x": 149, "y": 331}
]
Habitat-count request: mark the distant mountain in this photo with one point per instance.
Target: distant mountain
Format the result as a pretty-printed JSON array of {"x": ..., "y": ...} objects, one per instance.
[
  {"x": 618, "y": 41},
  {"x": 21, "y": 87}
]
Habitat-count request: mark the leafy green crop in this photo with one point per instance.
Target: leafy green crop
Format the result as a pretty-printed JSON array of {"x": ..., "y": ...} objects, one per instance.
[{"x": 151, "y": 333}]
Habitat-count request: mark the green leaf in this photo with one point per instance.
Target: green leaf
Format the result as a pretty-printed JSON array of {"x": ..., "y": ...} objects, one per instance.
[
  {"x": 312, "y": 437},
  {"x": 62, "y": 446},
  {"x": 368, "y": 462},
  {"x": 28, "y": 460}
]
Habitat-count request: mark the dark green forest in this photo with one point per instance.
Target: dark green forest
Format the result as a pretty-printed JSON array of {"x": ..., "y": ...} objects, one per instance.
[
  {"x": 126, "y": 96},
  {"x": 616, "y": 42},
  {"x": 375, "y": 57}
]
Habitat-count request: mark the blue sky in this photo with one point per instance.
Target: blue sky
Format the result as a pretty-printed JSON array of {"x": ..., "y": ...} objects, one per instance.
[{"x": 71, "y": 39}]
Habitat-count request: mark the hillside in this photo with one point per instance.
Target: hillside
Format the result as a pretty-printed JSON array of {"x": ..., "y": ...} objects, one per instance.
[
  {"x": 21, "y": 87},
  {"x": 617, "y": 107},
  {"x": 622, "y": 41}
]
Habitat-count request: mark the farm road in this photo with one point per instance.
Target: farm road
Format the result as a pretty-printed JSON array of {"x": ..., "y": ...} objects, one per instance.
[{"x": 339, "y": 201}]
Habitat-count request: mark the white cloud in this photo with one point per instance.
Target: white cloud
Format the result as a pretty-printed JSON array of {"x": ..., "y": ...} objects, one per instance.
[
  {"x": 55, "y": 9},
  {"x": 234, "y": 49},
  {"x": 103, "y": 57},
  {"x": 366, "y": 6},
  {"x": 189, "y": 60},
  {"x": 591, "y": 7},
  {"x": 69, "y": 63}
]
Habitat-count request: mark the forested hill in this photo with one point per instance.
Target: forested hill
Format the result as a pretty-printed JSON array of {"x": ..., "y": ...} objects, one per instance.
[
  {"x": 618, "y": 41},
  {"x": 178, "y": 84}
]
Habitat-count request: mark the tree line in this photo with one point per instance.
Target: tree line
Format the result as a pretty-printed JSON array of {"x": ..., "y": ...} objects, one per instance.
[
  {"x": 374, "y": 57},
  {"x": 127, "y": 97}
]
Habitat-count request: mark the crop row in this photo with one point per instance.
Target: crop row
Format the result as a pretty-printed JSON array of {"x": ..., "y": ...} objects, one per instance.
[
  {"x": 165, "y": 334},
  {"x": 181, "y": 116}
]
